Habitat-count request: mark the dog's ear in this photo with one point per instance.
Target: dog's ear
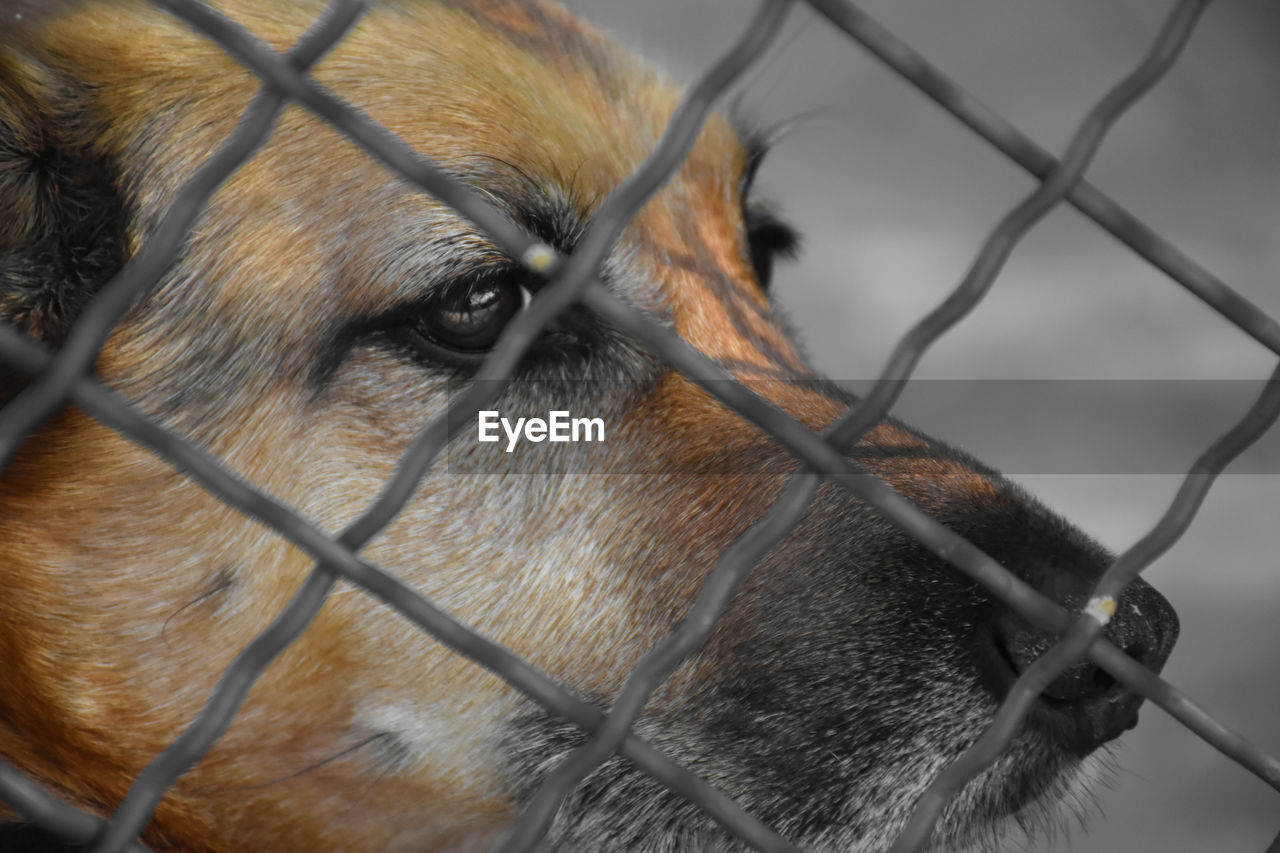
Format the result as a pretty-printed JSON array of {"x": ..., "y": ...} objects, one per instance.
[{"x": 62, "y": 219}]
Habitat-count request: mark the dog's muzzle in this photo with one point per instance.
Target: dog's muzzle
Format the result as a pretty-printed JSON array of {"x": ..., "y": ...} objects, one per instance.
[{"x": 1084, "y": 707}]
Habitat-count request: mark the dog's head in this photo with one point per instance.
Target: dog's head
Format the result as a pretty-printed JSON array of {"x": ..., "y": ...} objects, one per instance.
[{"x": 320, "y": 313}]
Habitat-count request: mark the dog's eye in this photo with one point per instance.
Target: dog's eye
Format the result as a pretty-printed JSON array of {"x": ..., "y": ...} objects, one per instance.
[
  {"x": 768, "y": 239},
  {"x": 468, "y": 317}
]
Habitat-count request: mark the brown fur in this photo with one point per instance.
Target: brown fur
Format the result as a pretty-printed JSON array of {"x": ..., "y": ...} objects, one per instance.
[{"x": 129, "y": 589}]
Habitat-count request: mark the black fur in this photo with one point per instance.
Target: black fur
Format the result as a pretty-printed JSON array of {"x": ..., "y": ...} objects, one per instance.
[
  {"x": 829, "y": 704},
  {"x": 64, "y": 230}
]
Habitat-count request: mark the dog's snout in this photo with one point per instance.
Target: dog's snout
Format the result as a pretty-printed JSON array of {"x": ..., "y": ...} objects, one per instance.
[{"x": 1084, "y": 705}]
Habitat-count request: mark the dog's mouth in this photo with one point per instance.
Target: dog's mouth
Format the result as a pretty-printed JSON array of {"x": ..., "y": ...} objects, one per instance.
[{"x": 1079, "y": 711}]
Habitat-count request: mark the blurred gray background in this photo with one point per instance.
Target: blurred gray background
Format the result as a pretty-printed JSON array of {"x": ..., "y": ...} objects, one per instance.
[{"x": 894, "y": 198}]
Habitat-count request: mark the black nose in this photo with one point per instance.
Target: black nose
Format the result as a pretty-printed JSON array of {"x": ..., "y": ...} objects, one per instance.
[{"x": 1085, "y": 707}]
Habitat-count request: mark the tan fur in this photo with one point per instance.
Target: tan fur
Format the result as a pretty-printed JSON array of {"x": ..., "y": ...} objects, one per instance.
[{"x": 128, "y": 589}]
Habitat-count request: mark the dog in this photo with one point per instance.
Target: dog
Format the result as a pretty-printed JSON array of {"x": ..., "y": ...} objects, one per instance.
[{"x": 321, "y": 312}]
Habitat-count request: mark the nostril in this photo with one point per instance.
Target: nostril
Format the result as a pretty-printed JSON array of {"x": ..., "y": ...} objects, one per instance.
[
  {"x": 1144, "y": 627},
  {"x": 1086, "y": 681},
  {"x": 1084, "y": 707},
  {"x": 1138, "y": 652},
  {"x": 1081, "y": 682},
  {"x": 1021, "y": 646}
]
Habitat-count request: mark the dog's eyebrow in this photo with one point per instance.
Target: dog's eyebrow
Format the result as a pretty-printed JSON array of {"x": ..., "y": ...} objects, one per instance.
[
  {"x": 542, "y": 207},
  {"x": 550, "y": 218}
]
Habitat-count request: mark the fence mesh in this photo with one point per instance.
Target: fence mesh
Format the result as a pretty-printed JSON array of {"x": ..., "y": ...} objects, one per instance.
[{"x": 66, "y": 377}]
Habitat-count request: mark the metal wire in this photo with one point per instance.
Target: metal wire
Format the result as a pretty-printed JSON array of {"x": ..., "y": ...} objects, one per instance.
[
  {"x": 41, "y": 398},
  {"x": 210, "y": 473},
  {"x": 1021, "y": 149},
  {"x": 1088, "y": 628},
  {"x": 37, "y": 805},
  {"x": 733, "y": 566},
  {"x": 63, "y": 377},
  {"x": 151, "y": 785}
]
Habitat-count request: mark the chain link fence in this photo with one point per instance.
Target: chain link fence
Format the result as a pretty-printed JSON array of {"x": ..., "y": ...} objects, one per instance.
[{"x": 66, "y": 377}]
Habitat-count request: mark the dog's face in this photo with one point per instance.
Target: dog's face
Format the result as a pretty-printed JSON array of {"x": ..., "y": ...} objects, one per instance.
[{"x": 320, "y": 315}]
